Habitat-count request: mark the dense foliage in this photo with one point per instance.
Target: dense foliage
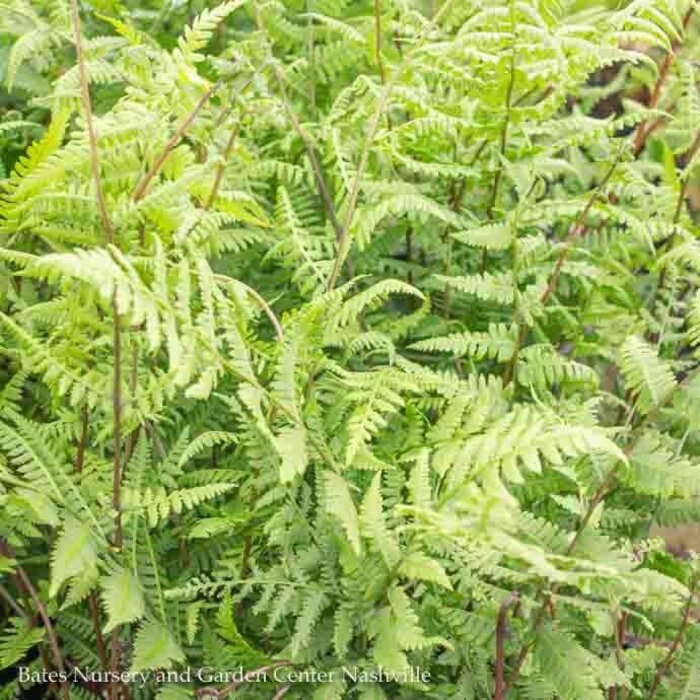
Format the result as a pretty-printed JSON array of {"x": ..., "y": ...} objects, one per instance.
[{"x": 350, "y": 334}]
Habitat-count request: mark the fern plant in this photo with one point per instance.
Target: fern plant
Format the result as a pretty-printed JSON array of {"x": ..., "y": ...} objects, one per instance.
[{"x": 350, "y": 345}]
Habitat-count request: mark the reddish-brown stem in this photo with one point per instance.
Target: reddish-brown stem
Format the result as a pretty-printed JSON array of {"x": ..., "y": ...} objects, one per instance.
[
  {"x": 601, "y": 492},
  {"x": 620, "y": 635},
  {"x": 92, "y": 598},
  {"x": 184, "y": 552},
  {"x": 87, "y": 110},
  {"x": 688, "y": 157},
  {"x": 662, "y": 670},
  {"x": 281, "y": 692},
  {"x": 116, "y": 330},
  {"x": 245, "y": 556},
  {"x": 456, "y": 196},
  {"x": 577, "y": 229},
  {"x": 13, "y": 604},
  {"x": 52, "y": 639},
  {"x": 643, "y": 130},
  {"x": 115, "y": 654},
  {"x": 542, "y": 611},
  {"x": 50, "y": 632},
  {"x": 117, "y": 414},
  {"x": 99, "y": 638},
  {"x": 678, "y": 211},
  {"x": 142, "y": 188},
  {"x": 82, "y": 444},
  {"x": 260, "y": 301},
  {"x": 504, "y": 139},
  {"x": 511, "y": 600},
  {"x": 221, "y": 167},
  {"x": 306, "y": 139}
]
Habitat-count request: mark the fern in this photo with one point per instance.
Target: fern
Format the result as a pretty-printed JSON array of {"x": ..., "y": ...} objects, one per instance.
[{"x": 350, "y": 335}]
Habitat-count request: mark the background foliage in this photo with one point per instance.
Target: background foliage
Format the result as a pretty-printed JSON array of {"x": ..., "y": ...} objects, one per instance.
[{"x": 348, "y": 333}]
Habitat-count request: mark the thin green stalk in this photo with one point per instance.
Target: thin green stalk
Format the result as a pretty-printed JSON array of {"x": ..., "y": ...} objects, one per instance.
[
  {"x": 344, "y": 242},
  {"x": 116, "y": 325},
  {"x": 306, "y": 139}
]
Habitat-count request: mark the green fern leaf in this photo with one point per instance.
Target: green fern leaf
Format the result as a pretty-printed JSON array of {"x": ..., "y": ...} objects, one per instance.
[
  {"x": 339, "y": 503},
  {"x": 155, "y": 648},
  {"x": 122, "y": 598},
  {"x": 74, "y": 555},
  {"x": 291, "y": 445},
  {"x": 374, "y": 525},
  {"x": 648, "y": 377},
  {"x": 419, "y": 567},
  {"x": 18, "y": 637}
]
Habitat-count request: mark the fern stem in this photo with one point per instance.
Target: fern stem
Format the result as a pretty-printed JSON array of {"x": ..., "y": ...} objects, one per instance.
[
  {"x": 99, "y": 638},
  {"x": 456, "y": 197},
  {"x": 115, "y": 655},
  {"x": 221, "y": 167},
  {"x": 504, "y": 139},
  {"x": 13, "y": 604},
  {"x": 26, "y": 583},
  {"x": 116, "y": 330},
  {"x": 306, "y": 139},
  {"x": 409, "y": 254},
  {"x": 542, "y": 611},
  {"x": 504, "y": 142},
  {"x": 233, "y": 136},
  {"x": 663, "y": 668},
  {"x": 92, "y": 598},
  {"x": 320, "y": 448},
  {"x": 378, "y": 41},
  {"x": 620, "y": 633},
  {"x": 311, "y": 49},
  {"x": 142, "y": 187},
  {"x": 266, "y": 308},
  {"x": 378, "y": 51},
  {"x": 281, "y": 691},
  {"x": 577, "y": 229},
  {"x": 511, "y": 601},
  {"x": 117, "y": 416},
  {"x": 677, "y": 213},
  {"x": 133, "y": 436},
  {"x": 89, "y": 123},
  {"x": 687, "y": 159},
  {"x": 82, "y": 444},
  {"x": 643, "y": 131},
  {"x": 601, "y": 492},
  {"x": 279, "y": 331},
  {"x": 344, "y": 242}
]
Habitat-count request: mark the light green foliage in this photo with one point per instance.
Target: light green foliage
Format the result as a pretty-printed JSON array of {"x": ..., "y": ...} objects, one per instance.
[
  {"x": 358, "y": 334},
  {"x": 154, "y": 647},
  {"x": 122, "y": 598}
]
